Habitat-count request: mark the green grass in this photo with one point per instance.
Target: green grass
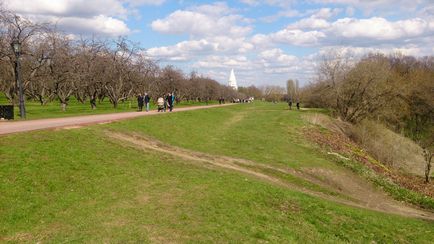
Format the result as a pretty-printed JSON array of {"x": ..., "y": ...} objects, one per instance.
[
  {"x": 34, "y": 110},
  {"x": 81, "y": 186},
  {"x": 262, "y": 132}
]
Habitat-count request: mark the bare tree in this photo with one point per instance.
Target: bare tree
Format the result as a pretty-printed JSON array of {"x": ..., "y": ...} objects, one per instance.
[
  {"x": 90, "y": 68},
  {"x": 119, "y": 81},
  {"x": 61, "y": 63},
  {"x": 273, "y": 93},
  {"x": 15, "y": 27}
]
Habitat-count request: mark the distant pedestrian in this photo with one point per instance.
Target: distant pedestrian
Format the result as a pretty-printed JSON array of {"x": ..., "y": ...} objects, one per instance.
[
  {"x": 298, "y": 105},
  {"x": 160, "y": 104},
  {"x": 140, "y": 102},
  {"x": 169, "y": 101},
  {"x": 165, "y": 102},
  {"x": 290, "y": 104},
  {"x": 173, "y": 101},
  {"x": 147, "y": 99}
]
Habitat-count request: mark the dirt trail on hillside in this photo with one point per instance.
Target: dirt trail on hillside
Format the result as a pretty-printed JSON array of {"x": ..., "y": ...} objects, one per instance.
[{"x": 349, "y": 188}]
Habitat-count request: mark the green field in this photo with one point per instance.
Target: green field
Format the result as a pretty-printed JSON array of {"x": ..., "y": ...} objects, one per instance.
[
  {"x": 34, "y": 110},
  {"x": 83, "y": 185}
]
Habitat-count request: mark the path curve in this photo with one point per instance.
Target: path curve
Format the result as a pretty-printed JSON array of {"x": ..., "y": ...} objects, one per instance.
[
  {"x": 377, "y": 200},
  {"x": 9, "y": 127}
]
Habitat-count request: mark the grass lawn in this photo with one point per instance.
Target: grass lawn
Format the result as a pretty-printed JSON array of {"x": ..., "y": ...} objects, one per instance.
[
  {"x": 82, "y": 186},
  {"x": 34, "y": 110}
]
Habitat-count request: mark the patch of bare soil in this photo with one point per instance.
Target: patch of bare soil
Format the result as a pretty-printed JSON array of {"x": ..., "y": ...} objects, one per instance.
[
  {"x": 19, "y": 237},
  {"x": 356, "y": 192},
  {"x": 71, "y": 127},
  {"x": 356, "y": 188}
]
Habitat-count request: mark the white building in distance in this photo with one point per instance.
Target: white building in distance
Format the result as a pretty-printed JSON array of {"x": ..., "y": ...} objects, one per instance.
[{"x": 233, "y": 81}]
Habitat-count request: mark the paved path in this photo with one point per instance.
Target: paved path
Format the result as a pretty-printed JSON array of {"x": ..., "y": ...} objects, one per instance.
[{"x": 7, "y": 127}]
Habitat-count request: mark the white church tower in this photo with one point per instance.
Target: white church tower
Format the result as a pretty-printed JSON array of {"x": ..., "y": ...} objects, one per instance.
[{"x": 232, "y": 81}]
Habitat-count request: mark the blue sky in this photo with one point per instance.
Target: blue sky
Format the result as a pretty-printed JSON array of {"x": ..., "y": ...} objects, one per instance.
[{"x": 266, "y": 42}]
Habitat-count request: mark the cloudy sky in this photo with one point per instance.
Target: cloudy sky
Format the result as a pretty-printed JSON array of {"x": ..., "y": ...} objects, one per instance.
[{"x": 266, "y": 42}]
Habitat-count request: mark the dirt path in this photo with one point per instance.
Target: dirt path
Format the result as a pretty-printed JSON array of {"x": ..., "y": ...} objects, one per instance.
[
  {"x": 351, "y": 189},
  {"x": 73, "y": 122}
]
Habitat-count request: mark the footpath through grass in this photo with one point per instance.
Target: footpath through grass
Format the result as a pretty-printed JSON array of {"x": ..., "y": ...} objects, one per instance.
[
  {"x": 81, "y": 186},
  {"x": 34, "y": 110}
]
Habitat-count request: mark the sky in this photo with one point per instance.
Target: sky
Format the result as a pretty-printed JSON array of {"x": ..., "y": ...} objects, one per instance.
[{"x": 265, "y": 42}]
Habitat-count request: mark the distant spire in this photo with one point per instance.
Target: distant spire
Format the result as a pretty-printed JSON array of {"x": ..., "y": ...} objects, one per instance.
[{"x": 233, "y": 81}]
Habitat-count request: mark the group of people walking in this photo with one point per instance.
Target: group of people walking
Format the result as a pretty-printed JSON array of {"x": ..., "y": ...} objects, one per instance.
[
  {"x": 166, "y": 102},
  {"x": 163, "y": 102},
  {"x": 143, "y": 100}
]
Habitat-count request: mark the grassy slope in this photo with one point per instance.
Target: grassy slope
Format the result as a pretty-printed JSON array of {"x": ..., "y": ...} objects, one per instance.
[
  {"x": 52, "y": 110},
  {"x": 88, "y": 188}
]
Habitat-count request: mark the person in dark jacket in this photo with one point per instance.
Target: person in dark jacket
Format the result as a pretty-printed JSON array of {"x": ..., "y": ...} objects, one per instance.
[
  {"x": 140, "y": 102},
  {"x": 169, "y": 102},
  {"x": 173, "y": 101},
  {"x": 298, "y": 105},
  {"x": 147, "y": 99},
  {"x": 290, "y": 104}
]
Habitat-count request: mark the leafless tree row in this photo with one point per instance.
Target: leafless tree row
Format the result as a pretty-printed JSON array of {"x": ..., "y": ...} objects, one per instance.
[{"x": 54, "y": 66}]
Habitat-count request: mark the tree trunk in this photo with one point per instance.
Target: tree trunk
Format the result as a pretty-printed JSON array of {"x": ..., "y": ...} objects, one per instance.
[
  {"x": 63, "y": 106},
  {"x": 428, "y": 159}
]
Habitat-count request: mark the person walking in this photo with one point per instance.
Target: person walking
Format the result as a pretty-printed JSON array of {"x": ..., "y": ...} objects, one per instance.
[
  {"x": 173, "y": 101},
  {"x": 298, "y": 105},
  {"x": 147, "y": 99},
  {"x": 290, "y": 104},
  {"x": 160, "y": 104},
  {"x": 165, "y": 102},
  {"x": 169, "y": 101},
  {"x": 140, "y": 102}
]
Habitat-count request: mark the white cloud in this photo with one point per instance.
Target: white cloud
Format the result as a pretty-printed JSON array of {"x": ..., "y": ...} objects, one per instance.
[
  {"x": 183, "y": 50},
  {"x": 377, "y": 6},
  {"x": 145, "y": 2},
  {"x": 325, "y": 13},
  {"x": 297, "y": 37},
  {"x": 379, "y": 28},
  {"x": 239, "y": 62},
  {"x": 67, "y": 8},
  {"x": 101, "y": 17},
  {"x": 203, "y": 21},
  {"x": 195, "y": 49},
  {"x": 350, "y": 31},
  {"x": 310, "y": 23},
  {"x": 215, "y": 9},
  {"x": 276, "y": 57},
  {"x": 99, "y": 24}
]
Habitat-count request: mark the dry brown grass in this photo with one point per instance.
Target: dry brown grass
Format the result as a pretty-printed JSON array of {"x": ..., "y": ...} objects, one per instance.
[
  {"x": 327, "y": 122},
  {"x": 389, "y": 147},
  {"x": 383, "y": 144},
  {"x": 370, "y": 144}
]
